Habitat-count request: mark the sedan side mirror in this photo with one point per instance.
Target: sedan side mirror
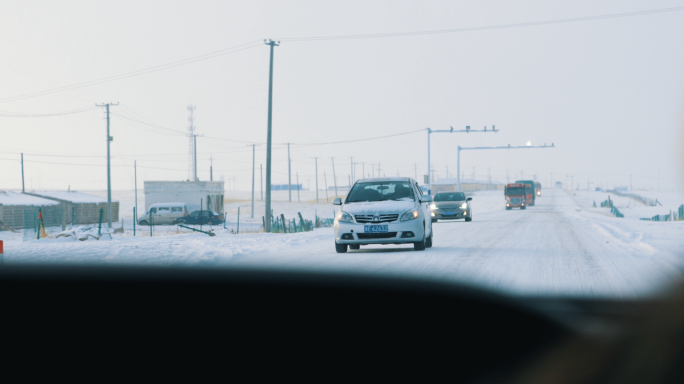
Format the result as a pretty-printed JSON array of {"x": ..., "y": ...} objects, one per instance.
[
  {"x": 426, "y": 199},
  {"x": 337, "y": 201},
  {"x": 469, "y": 199}
]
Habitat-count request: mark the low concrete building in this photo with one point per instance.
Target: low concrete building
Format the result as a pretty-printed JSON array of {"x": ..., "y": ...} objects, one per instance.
[
  {"x": 20, "y": 210},
  {"x": 193, "y": 193},
  {"x": 467, "y": 185},
  {"x": 81, "y": 208}
]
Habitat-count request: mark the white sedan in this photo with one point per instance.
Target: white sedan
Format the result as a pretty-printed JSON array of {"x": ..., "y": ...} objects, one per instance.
[{"x": 384, "y": 211}]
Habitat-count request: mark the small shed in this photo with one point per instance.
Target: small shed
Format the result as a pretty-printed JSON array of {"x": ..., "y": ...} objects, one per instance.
[
  {"x": 81, "y": 208},
  {"x": 19, "y": 210},
  {"x": 193, "y": 193}
]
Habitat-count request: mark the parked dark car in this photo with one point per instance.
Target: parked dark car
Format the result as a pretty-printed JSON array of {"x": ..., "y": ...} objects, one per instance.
[{"x": 200, "y": 217}]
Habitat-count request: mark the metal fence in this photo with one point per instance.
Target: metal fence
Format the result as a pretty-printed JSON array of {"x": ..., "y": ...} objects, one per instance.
[
  {"x": 645, "y": 200},
  {"x": 613, "y": 209},
  {"x": 672, "y": 216},
  {"x": 37, "y": 219}
]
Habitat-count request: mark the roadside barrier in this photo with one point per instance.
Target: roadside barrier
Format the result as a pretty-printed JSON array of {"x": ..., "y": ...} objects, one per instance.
[
  {"x": 672, "y": 216},
  {"x": 282, "y": 225},
  {"x": 613, "y": 209},
  {"x": 645, "y": 200}
]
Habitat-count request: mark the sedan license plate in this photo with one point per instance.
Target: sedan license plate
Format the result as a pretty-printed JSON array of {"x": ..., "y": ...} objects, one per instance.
[
  {"x": 448, "y": 213},
  {"x": 375, "y": 228}
]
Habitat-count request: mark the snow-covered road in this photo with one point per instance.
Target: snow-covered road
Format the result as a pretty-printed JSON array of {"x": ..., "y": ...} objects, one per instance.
[{"x": 555, "y": 248}]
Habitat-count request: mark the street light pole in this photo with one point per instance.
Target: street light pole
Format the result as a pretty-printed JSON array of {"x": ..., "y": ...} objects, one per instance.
[
  {"x": 467, "y": 130},
  {"x": 458, "y": 156}
]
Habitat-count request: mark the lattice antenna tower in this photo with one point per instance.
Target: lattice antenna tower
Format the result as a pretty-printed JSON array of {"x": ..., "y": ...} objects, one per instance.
[{"x": 192, "y": 167}]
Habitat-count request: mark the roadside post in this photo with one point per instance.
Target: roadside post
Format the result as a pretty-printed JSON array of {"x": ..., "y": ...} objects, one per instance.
[
  {"x": 238, "y": 223},
  {"x": 99, "y": 226},
  {"x": 134, "y": 220}
]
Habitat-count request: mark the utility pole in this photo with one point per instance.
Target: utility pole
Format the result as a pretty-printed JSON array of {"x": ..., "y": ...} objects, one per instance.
[
  {"x": 22, "y": 173},
  {"x": 195, "y": 148},
  {"x": 298, "y": 187},
  {"x": 363, "y": 170},
  {"x": 334, "y": 178},
  {"x": 261, "y": 180},
  {"x": 253, "y": 169},
  {"x": 109, "y": 168},
  {"x": 325, "y": 180},
  {"x": 289, "y": 172},
  {"x": 316, "y": 159},
  {"x": 192, "y": 159},
  {"x": 351, "y": 175},
  {"x": 211, "y": 168},
  {"x": 135, "y": 183},
  {"x": 267, "y": 217}
]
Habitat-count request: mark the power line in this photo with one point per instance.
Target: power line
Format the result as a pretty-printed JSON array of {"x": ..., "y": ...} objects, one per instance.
[
  {"x": 255, "y": 44},
  {"x": 357, "y": 140},
  {"x": 139, "y": 72},
  {"x": 484, "y": 28},
  {"x": 87, "y": 108}
]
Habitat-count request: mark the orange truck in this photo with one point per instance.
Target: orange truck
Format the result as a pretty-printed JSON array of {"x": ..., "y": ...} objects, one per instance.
[{"x": 515, "y": 196}]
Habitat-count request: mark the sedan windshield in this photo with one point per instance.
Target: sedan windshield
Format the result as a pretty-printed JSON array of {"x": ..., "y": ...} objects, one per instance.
[
  {"x": 381, "y": 191},
  {"x": 450, "y": 196}
]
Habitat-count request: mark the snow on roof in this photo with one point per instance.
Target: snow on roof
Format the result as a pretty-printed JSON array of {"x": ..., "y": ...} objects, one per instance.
[
  {"x": 168, "y": 205},
  {"x": 74, "y": 197},
  {"x": 17, "y": 198},
  {"x": 381, "y": 179}
]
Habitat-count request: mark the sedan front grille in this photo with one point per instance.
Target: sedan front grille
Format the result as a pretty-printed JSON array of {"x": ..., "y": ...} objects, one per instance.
[
  {"x": 382, "y": 218},
  {"x": 387, "y": 235}
]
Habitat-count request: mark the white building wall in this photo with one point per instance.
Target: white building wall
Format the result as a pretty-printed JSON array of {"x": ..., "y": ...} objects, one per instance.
[{"x": 210, "y": 193}]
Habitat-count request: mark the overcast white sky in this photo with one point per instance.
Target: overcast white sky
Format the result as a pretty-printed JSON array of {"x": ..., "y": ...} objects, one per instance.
[{"x": 609, "y": 93}]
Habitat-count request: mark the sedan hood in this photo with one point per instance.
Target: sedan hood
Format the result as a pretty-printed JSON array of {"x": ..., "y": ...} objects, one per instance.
[
  {"x": 379, "y": 207},
  {"x": 449, "y": 204}
]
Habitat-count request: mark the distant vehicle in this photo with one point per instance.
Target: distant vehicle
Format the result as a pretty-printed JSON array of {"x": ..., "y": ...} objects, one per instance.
[
  {"x": 598, "y": 189},
  {"x": 559, "y": 185},
  {"x": 537, "y": 188},
  {"x": 529, "y": 192},
  {"x": 201, "y": 217},
  {"x": 451, "y": 206},
  {"x": 515, "y": 196},
  {"x": 388, "y": 210},
  {"x": 163, "y": 213}
]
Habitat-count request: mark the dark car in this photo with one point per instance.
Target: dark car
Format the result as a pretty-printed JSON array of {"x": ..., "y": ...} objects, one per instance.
[{"x": 200, "y": 217}]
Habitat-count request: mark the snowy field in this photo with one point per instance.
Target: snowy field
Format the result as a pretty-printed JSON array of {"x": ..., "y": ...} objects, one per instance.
[{"x": 562, "y": 246}]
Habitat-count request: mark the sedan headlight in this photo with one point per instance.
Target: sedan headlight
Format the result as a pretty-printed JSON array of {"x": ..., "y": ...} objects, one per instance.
[
  {"x": 433, "y": 206},
  {"x": 464, "y": 205},
  {"x": 410, "y": 215},
  {"x": 344, "y": 217}
]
